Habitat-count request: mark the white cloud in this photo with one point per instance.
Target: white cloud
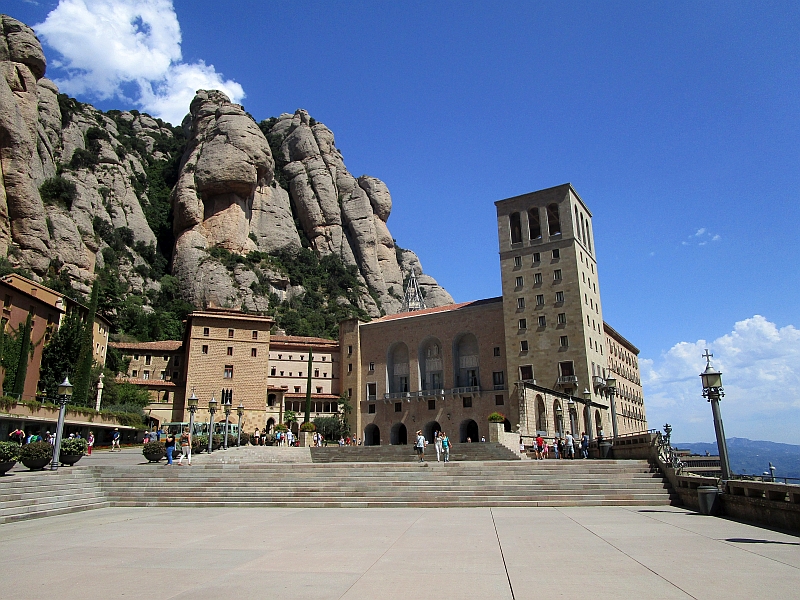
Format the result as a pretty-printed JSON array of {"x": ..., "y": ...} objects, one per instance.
[
  {"x": 761, "y": 374},
  {"x": 700, "y": 232},
  {"x": 106, "y": 46},
  {"x": 701, "y": 237}
]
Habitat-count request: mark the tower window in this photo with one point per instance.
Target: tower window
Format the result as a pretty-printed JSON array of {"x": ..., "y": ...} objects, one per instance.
[
  {"x": 516, "y": 228},
  {"x": 539, "y": 299},
  {"x": 564, "y": 341},
  {"x": 518, "y": 282},
  {"x": 523, "y": 324},
  {"x": 205, "y": 349},
  {"x": 371, "y": 409},
  {"x": 520, "y": 302},
  {"x": 523, "y": 346},
  {"x": 497, "y": 350},
  {"x": 562, "y": 318},
  {"x": 542, "y": 321},
  {"x": 517, "y": 261},
  {"x": 559, "y": 296},
  {"x": 228, "y": 372},
  {"x": 206, "y": 331},
  {"x": 534, "y": 225},
  {"x": 556, "y": 254},
  {"x": 537, "y": 257},
  {"x": 230, "y": 350},
  {"x": 230, "y": 333},
  {"x": 557, "y": 275},
  {"x": 537, "y": 278},
  {"x": 553, "y": 220}
]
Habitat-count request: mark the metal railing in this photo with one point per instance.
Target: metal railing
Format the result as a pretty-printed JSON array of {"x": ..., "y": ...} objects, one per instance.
[{"x": 465, "y": 390}]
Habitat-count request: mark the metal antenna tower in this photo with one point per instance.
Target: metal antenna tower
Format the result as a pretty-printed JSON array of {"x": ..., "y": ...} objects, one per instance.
[{"x": 413, "y": 297}]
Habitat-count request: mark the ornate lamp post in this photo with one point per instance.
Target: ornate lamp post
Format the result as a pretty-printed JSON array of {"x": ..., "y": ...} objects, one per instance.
[
  {"x": 611, "y": 385},
  {"x": 191, "y": 402},
  {"x": 587, "y": 398},
  {"x": 240, "y": 412},
  {"x": 227, "y": 408},
  {"x": 571, "y": 409},
  {"x": 64, "y": 394},
  {"x": 212, "y": 408},
  {"x": 559, "y": 421},
  {"x": 713, "y": 391}
]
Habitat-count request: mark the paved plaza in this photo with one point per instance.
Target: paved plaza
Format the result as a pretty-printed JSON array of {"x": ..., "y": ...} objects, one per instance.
[{"x": 539, "y": 553}]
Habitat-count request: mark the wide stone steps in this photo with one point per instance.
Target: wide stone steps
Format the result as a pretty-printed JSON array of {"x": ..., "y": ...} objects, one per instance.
[
  {"x": 406, "y": 453},
  {"x": 45, "y": 494}
]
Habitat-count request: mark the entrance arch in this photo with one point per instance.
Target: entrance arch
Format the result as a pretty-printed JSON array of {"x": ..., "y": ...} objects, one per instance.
[
  {"x": 507, "y": 426},
  {"x": 398, "y": 435},
  {"x": 372, "y": 435},
  {"x": 270, "y": 425},
  {"x": 541, "y": 415},
  {"x": 430, "y": 429},
  {"x": 468, "y": 429}
]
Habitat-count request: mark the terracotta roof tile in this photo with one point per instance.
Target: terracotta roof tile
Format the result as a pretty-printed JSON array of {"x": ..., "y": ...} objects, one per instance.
[
  {"x": 164, "y": 346},
  {"x": 437, "y": 309}
]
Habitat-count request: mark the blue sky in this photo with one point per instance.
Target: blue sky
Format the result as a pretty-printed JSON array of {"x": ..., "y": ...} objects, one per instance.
[{"x": 676, "y": 122}]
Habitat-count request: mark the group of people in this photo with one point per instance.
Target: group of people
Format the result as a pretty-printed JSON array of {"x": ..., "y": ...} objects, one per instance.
[
  {"x": 18, "y": 436},
  {"x": 563, "y": 446},
  {"x": 440, "y": 441},
  {"x": 348, "y": 441}
]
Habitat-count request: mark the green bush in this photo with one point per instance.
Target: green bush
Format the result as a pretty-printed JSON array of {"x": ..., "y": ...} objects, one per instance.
[
  {"x": 216, "y": 442},
  {"x": 496, "y": 417},
  {"x": 245, "y": 438},
  {"x": 58, "y": 191},
  {"x": 154, "y": 448},
  {"x": 199, "y": 443},
  {"x": 281, "y": 427},
  {"x": 35, "y": 451},
  {"x": 9, "y": 451},
  {"x": 308, "y": 427},
  {"x": 73, "y": 446},
  {"x": 83, "y": 159}
]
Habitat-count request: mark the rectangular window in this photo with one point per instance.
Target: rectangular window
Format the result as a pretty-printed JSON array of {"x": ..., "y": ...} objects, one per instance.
[
  {"x": 537, "y": 278},
  {"x": 350, "y": 367},
  {"x": 566, "y": 368},
  {"x": 349, "y": 350},
  {"x": 372, "y": 391},
  {"x": 498, "y": 400},
  {"x": 135, "y": 373},
  {"x": 520, "y": 302},
  {"x": 253, "y": 352},
  {"x": 255, "y": 335},
  {"x": 349, "y": 392},
  {"x": 135, "y": 357},
  {"x": 523, "y": 323},
  {"x": 557, "y": 275},
  {"x": 230, "y": 350},
  {"x": 498, "y": 379},
  {"x": 319, "y": 390},
  {"x": 526, "y": 372},
  {"x": 467, "y": 401},
  {"x": 518, "y": 282},
  {"x": 523, "y": 346},
  {"x": 316, "y": 372},
  {"x": 540, "y": 300},
  {"x": 372, "y": 366},
  {"x": 148, "y": 359},
  {"x": 371, "y": 409},
  {"x": 228, "y": 373},
  {"x": 7, "y": 301},
  {"x": 297, "y": 389},
  {"x": 398, "y": 407},
  {"x": 556, "y": 253},
  {"x": 431, "y": 404},
  {"x": 496, "y": 351},
  {"x": 559, "y": 296},
  {"x": 542, "y": 321},
  {"x": 230, "y": 333},
  {"x": 272, "y": 371},
  {"x": 163, "y": 375},
  {"x": 562, "y": 318},
  {"x": 517, "y": 261},
  {"x": 564, "y": 340},
  {"x": 206, "y": 331},
  {"x": 537, "y": 257},
  {"x": 145, "y": 374}
]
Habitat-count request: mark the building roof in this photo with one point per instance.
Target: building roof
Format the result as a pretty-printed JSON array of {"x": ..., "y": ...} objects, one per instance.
[
  {"x": 566, "y": 187},
  {"x": 300, "y": 340},
  {"x": 161, "y": 383},
  {"x": 31, "y": 289},
  {"x": 228, "y": 313},
  {"x": 619, "y": 338},
  {"x": 163, "y": 346},
  {"x": 438, "y": 309}
]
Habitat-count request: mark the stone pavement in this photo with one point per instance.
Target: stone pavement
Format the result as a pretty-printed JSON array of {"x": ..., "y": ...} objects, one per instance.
[{"x": 598, "y": 552}]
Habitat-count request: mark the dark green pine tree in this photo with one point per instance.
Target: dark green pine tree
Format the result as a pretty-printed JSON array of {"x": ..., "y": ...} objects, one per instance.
[
  {"x": 83, "y": 370},
  {"x": 24, "y": 351},
  {"x": 61, "y": 353}
]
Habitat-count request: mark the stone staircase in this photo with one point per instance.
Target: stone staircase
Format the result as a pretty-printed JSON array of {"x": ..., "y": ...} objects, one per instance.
[
  {"x": 254, "y": 455},
  {"x": 384, "y": 485},
  {"x": 46, "y": 493},
  {"x": 406, "y": 454}
]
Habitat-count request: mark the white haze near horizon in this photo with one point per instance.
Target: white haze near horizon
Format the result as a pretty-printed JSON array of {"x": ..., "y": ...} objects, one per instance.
[
  {"x": 108, "y": 46},
  {"x": 760, "y": 365}
]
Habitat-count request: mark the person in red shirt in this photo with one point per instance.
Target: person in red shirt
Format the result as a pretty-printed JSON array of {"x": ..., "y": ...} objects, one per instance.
[{"x": 539, "y": 447}]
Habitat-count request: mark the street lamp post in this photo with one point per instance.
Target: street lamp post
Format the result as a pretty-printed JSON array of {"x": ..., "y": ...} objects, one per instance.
[
  {"x": 192, "y": 404},
  {"x": 227, "y": 407},
  {"x": 611, "y": 384},
  {"x": 571, "y": 409},
  {"x": 64, "y": 394},
  {"x": 240, "y": 412},
  {"x": 587, "y": 398},
  {"x": 212, "y": 408},
  {"x": 559, "y": 421},
  {"x": 713, "y": 391}
]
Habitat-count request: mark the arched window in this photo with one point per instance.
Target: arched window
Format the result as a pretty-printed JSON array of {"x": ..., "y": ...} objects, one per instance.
[
  {"x": 553, "y": 220},
  {"x": 431, "y": 371},
  {"x": 534, "y": 223},
  {"x": 397, "y": 367},
  {"x": 516, "y": 229},
  {"x": 578, "y": 224},
  {"x": 466, "y": 361},
  {"x": 588, "y": 237},
  {"x": 541, "y": 415}
]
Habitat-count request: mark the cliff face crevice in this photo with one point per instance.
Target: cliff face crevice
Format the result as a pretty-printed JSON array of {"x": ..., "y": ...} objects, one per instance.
[{"x": 81, "y": 190}]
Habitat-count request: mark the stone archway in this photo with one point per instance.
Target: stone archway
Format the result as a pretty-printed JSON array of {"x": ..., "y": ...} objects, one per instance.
[
  {"x": 398, "y": 435},
  {"x": 430, "y": 429},
  {"x": 507, "y": 426},
  {"x": 372, "y": 435},
  {"x": 270, "y": 425},
  {"x": 468, "y": 429}
]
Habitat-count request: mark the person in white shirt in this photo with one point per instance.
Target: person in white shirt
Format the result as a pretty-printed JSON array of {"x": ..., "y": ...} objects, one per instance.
[
  {"x": 438, "y": 444},
  {"x": 420, "y": 446}
]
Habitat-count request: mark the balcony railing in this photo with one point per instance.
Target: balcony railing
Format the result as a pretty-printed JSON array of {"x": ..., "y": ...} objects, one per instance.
[
  {"x": 465, "y": 390},
  {"x": 393, "y": 395},
  {"x": 371, "y": 398},
  {"x": 567, "y": 379},
  {"x": 598, "y": 381},
  {"x": 424, "y": 393}
]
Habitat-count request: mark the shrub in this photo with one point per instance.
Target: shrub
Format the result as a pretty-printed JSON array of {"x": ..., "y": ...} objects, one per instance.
[
  {"x": 216, "y": 442},
  {"x": 199, "y": 443},
  {"x": 58, "y": 191},
  {"x": 73, "y": 446},
  {"x": 496, "y": 417},
  {"x": 308, "y": 427},
  {"x": 245, "y": 438},
  {"x": 83, "y": 159},
  {"x": 281, "y": 427},
  {"x": 9, "y": 451},
  {"x": 154, "y": 448},
  {"x": 35, "y": 451}
]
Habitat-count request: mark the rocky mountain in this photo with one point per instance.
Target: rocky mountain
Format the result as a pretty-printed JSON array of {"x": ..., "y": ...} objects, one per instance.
[{"x": 222, "y": 204}]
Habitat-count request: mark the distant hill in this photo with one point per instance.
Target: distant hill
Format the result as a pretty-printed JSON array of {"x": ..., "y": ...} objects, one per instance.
[{"x": 752, "y": 457}]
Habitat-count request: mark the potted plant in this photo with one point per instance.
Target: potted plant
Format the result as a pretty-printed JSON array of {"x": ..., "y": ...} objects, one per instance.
[
  {"x": 72, "y": 450},
  {"x": 9, "y": 455},
  {"x": 154, "y": 451},
  {"x": 497, "y": 417},
  {"x": 36, "y": 455},
  {"x": 310, "y": 427}
]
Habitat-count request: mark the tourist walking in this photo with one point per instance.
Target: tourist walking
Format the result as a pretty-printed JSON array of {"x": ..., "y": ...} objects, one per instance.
[
  {"x": 539, "y": 447},
  {"x": 256, "y": 437},
  {"x": 558, "y": 447},
  {"x": 437, "y": 442},
  {"x": 115, "y": 440},
  {"x": 569, "y": 446},
  {"x": 186, "y": 447},
  {"x": 420, "y": 446},
  {"x": 445, "y": 446},
  {"x": 170, "y": 445},
  {"x": 584, "y": 445},
  {"x": 89, "y": 442}
]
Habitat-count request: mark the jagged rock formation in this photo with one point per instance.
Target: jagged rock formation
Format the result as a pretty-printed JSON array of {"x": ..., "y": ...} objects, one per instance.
[{"x": 81, "y": 189}]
